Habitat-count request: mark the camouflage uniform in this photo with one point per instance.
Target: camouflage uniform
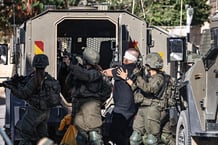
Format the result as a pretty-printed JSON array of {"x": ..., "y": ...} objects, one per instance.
[
  {"x": 148, "y": 118},
  {"x": 151, "y": 112}
]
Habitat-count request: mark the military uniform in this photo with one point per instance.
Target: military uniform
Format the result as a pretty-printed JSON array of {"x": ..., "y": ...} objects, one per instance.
[
  {"x": 63, "y": 72},
  {"x": 152, "y": 111},
  {"x": 64, "y": 76},
  {"x": 34, "y": 121},
  {"x": 148, "y": 117},
  {"x": 86, "y": 102}
]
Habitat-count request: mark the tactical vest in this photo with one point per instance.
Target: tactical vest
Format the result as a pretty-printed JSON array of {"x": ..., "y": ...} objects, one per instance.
[
  {"x": 165, "y": 98},
  {"x": 48, "y": 95}
]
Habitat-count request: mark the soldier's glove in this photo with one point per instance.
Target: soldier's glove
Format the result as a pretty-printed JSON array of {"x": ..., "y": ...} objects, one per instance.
[
  {"x": 137, "y": 72},
  {"x": 139, "y": 81},
  {"x": 1, "y": 85},
  {"x": 6, "y": 85}
]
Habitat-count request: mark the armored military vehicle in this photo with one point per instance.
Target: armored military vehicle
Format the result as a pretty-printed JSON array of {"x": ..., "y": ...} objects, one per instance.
[
  {"x": 55, "y": 32},
  {"x": 198, "y": 93}
]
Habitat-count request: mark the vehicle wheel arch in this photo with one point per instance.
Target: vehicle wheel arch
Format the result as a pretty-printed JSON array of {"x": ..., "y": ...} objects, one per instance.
[{"x": 183, "y": 130}]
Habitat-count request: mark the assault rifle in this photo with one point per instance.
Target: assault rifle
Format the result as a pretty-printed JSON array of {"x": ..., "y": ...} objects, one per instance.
[
  {"x": 64, "y": 53},
  {"x": 140, "y": 70},
  {"x": 2, "y": 84},
  {"x": 16, "y": 81}
]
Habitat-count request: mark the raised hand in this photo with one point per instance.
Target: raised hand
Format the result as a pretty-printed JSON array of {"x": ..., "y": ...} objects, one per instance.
[{"x": 121, "y": 73}]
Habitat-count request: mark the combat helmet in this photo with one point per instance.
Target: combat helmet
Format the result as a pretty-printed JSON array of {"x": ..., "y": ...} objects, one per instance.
[
  {"x": 154, "y": 60},
  {"x": 91, "y": 56},
  {"x": 40, "y": 61}
]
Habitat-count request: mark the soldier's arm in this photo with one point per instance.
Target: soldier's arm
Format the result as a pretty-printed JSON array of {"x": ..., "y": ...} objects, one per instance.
[
  {"x": 23, "y": 93},
  {"x": 152, "y": 86},
  {"x": 84, "y": 74},
  {"x": 108, "y": 72}
]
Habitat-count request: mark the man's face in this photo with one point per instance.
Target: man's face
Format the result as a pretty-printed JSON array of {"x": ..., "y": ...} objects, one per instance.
[
  {"x": 65, "y": 58},
  {"x": 129, "y": 57},
  {"x": 126, "y": 61}
]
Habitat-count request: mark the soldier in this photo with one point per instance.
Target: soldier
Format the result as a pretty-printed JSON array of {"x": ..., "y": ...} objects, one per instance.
[
  {"x": 35, "y": 118},
  {"x": 147, "y": 123},
  {"x": 64, "y": 75},
  {"x": 86, "y": 111},
  {"x": 124, "y": 105}
]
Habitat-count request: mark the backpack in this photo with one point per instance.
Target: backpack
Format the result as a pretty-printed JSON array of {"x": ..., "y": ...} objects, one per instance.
[
  {"x": 106, "y": 89},
  {"x": 50, "y": 92},
  {"x": 168, "y": 91}
]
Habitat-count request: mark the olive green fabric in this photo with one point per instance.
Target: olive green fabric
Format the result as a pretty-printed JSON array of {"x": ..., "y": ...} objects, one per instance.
[
  {"x": 168, "y": 139},
  {"x": 154, "y": 60},
  {"x": 148, "y": 117},
  {"x": 89, "y": 116},
  {"x": 87, "y": 119},
  {"x": 148, "y": 120}
]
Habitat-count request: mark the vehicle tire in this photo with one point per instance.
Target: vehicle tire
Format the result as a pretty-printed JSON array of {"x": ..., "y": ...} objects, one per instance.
[{"x": 183, "y": 130}]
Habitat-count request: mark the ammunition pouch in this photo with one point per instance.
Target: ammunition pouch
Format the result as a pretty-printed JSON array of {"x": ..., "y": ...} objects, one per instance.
[
  {"x": 154, "y": 102},
  {"x": 173, "y": 116},
  {"x": 146, "y": 102},
  {"x": 138, "y": 97},
  {"x": 160, "y": 103},
  {"x": 142, "y": 99}
]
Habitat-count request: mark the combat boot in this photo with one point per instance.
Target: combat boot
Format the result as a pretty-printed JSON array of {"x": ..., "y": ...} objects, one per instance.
[
  {"x": 95, "y": 138},
  {"x": 150, "y": 139},
  {"x": 81, "y": 138},
  {"x": 136, "y": 138},
  {"x": 168, "y": 139}
]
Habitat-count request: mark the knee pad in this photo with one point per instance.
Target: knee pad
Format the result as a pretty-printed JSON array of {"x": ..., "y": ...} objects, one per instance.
[
  {"x": 150, "y": 139},
  {"x": 135, "y": 138},
  {"x": 81, "y": 138},
  {"x": 168, "y": 139},
  {"x": 95, "y": 138}
]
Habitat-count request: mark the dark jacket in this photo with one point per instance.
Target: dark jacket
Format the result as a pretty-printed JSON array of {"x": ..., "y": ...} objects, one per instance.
[
  {"x": 123, "y": 94},
  {"x": 89, "y": 81}
]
